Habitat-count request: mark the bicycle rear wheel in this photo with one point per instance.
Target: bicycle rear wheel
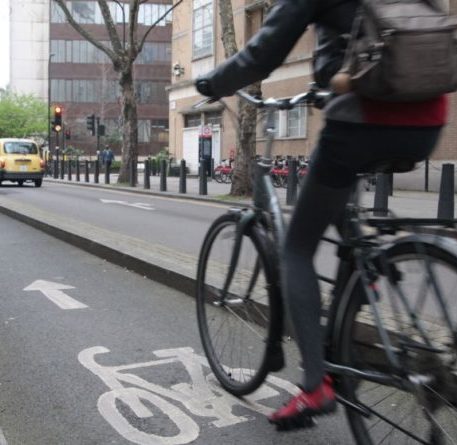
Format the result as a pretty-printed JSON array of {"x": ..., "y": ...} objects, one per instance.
[
  {"x": 239, "y": 331},
  {"x": 416, "y": 294}
]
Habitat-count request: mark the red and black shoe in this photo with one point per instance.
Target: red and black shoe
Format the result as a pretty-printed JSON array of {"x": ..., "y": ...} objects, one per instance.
[{"x": 301, "y": 409}]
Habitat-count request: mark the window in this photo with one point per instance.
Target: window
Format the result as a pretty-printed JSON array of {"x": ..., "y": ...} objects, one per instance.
[
  {"x": 77, "y": 51},
  {"x": 58, "y": 49},
  {"x": 154, "y": 52},
  {"x": 83, "y": 12},
  {"x": 202, "y": 28},
  {"x": 213, "y": 118},
  {"x": 144, "y": 131},
  {"x": 20, "y": 148},
  {"x": 288, "y": 123},
  {"x": 151, "y": 92},
  {"x": 296, "y": 122},
  {"x": 192, "y": 120},
  {"x": 57, "y": 15}
]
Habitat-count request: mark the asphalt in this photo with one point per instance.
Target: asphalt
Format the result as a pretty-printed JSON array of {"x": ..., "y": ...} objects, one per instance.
[{"x": 163, "y": 264}]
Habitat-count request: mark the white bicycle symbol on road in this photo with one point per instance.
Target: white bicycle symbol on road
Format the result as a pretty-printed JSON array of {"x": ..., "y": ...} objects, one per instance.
[{"x": 203, "y": 397}]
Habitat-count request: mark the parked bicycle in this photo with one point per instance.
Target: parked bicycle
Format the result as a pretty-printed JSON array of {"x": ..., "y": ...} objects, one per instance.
[
  {"x": 279, "y": 172},
  {"x": 391, "y": 324},
  {"x": 223, "y": 172}
]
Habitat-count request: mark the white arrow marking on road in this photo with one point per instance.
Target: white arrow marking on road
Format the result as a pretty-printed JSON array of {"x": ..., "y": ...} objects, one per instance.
[
  {"x": 53, "y": 291},
  {"x": 138, "y": 205}
]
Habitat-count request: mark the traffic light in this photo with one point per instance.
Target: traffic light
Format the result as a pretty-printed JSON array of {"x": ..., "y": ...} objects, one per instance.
[
  {"x": 90, "y": 122},
  {"x": 67, "y": 134},
  {"x": 57, "y": 122}
]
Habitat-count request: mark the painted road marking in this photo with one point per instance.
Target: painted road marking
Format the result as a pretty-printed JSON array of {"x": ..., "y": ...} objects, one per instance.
[
  {"x": 2, "y": 438},
  {"x": 53, "y": 291},
  {"x": 138, "y": 205},
  {"x": 181, "y": 402}
]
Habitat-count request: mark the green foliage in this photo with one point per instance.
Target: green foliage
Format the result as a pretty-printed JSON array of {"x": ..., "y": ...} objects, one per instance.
[
  {"x": 22, "y": 116},
  {"x": 115, "y": 166},
  {"x": 73, "y": 152}
]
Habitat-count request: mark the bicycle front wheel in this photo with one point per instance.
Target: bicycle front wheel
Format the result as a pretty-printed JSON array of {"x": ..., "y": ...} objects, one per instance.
[
  {"x": 239, "y": 326},
  {"x": 416, "y": 297}
]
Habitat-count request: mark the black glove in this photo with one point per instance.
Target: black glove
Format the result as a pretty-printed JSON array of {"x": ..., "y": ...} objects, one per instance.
[{"x": 203, "y": 86}]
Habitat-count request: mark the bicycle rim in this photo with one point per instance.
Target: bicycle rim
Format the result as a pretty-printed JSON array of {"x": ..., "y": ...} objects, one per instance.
[
  {"x": 425, "y": 412},
  {"x": 236, "y": 333}
]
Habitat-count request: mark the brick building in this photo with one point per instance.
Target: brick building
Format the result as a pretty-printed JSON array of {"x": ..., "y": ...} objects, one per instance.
[
  {"x": 52, "y": 60},
  {"x": 197, "y": 48}
]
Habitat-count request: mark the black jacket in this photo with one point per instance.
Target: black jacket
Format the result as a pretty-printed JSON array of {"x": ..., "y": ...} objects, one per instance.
[{"x": 284, "y": 25}]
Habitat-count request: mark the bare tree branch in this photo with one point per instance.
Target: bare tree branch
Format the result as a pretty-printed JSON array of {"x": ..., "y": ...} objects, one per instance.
[
  {"x": 110, "y": 27},
  {"x": 140, "y": 46},
  {"x": 133, "y": 20},
  {"x": 84, "y": 33}
]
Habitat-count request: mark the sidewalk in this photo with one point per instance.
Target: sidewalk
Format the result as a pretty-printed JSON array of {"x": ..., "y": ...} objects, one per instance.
[{"x": 161, "y": 263}]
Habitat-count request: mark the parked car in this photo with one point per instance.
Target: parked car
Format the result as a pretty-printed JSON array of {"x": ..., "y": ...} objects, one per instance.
[{"x": 20, "y": 161}]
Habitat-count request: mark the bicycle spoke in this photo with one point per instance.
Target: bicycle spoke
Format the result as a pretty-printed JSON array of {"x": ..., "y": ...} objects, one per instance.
[{"x": 411, "y": 297}]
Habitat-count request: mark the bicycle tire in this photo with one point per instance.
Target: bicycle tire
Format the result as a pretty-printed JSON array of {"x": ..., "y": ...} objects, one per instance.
[
  {"x": 217, "y": 176},
  {"x": 360, "y": 346},
  {"x": 256, "y": 315}
]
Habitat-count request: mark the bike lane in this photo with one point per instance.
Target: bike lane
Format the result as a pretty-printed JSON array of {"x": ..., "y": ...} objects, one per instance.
[{"x": 94, "y": 354}]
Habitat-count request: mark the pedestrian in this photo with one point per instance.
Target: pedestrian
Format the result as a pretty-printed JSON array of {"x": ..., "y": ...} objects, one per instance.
[
  {"x": 358, "y": 133},
  {"x": 108, "y": 157}
]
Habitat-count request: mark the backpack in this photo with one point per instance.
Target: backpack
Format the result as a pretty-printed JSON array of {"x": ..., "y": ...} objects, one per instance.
[{"x": 402, "y": 50}]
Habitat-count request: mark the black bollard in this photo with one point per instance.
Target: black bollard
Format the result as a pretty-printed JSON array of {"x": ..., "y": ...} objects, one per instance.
[
  {"x": 55, "y": 166},
  {"x": 132, "y": 181},
  {"x": 446, "y": 196},
  {"x": 203, "y": 183},
  {"x": 107, "y": 173},
  {"x": 292, "y": 182},
  {"x": 97, "y": 171},
  {"x": 86, "y": 170},
  {"x": 182, "y": 177},
  {"x": 154, "y": 167},
  {"x": 163, "y": 175},
  {"x": 78, "y": 171},
  {"x": 147, "y": 174},
  {"x": 69, "y": 170},
  {"x": 381, "y": 195},
  {"x": 62, "y": 169}
]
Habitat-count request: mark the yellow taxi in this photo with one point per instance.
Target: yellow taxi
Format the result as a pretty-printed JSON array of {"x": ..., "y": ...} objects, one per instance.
[{"x": 20, "y": 161}]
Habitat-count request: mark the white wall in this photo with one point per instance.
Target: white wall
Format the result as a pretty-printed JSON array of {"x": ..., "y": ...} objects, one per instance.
[{"x": 29, "y": 47}]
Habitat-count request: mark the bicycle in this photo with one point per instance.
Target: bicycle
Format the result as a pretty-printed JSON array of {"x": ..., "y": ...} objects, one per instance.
[
  {"x": 391, "y": 335},
  {"x": 223, "y": 172}
]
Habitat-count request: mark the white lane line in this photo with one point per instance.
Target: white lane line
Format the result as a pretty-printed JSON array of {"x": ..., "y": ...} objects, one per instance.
[
  {"x": 2, "y": 438},
  {"x": 138, "y": 205}
]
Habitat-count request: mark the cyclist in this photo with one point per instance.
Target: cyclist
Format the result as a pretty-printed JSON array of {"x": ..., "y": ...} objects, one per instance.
[{"x": 358, "y": 133}]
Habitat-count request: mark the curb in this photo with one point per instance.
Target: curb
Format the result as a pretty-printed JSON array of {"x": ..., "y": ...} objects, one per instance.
[{"x": 173, "y": 279}]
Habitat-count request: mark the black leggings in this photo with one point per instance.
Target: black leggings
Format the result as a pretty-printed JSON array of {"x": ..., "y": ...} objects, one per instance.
[{"x": 343, "y": 151}]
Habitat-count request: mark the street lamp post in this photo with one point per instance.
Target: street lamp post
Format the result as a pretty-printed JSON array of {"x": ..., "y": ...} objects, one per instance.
[{"x": 51, "y": 55}]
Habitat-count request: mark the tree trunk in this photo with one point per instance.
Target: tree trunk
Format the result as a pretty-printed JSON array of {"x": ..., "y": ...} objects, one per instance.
[
  {"x": 130, "y": 131},
  {"x": 242, "y": 183},
  {"x": 247, "y": 115}
]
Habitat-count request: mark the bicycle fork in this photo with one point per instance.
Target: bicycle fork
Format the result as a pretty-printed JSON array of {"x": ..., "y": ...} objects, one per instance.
[{"x": 246, "y": 218}]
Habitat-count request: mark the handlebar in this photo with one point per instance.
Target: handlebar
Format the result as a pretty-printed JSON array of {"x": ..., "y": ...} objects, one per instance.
[{"x": 312, "y": 97}]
